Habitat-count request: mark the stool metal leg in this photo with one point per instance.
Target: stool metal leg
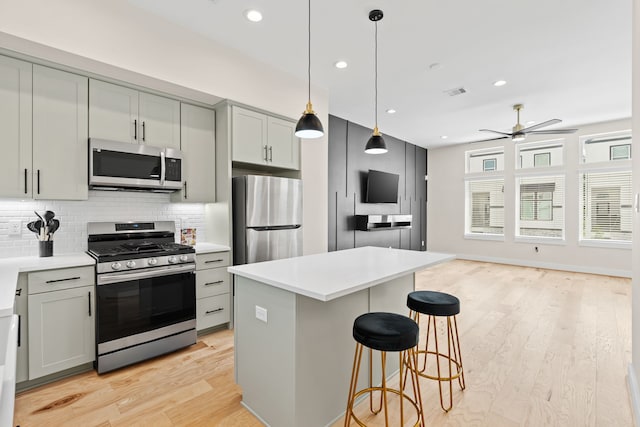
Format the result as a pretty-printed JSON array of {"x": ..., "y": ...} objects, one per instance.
[
  {"x": 354, "y": 383},
  {"x": 458, "y": 355}
]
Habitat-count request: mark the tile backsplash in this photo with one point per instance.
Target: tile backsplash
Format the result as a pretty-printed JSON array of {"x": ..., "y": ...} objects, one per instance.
[{"x": 101, "y": 206}]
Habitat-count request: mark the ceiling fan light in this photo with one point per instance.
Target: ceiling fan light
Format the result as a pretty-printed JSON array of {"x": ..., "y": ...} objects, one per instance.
[
  {"x": 376, "y": 145},
  {"x": 518, "y": 137}
]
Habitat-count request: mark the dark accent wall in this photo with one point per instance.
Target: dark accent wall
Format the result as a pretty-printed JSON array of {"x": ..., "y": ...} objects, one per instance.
[{"x": 348, "y": 168}]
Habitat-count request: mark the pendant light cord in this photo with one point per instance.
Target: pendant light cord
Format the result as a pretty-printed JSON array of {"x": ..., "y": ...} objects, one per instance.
[
  {"x": 376, "y": 76},
  {"x": 309, "y": 55}
]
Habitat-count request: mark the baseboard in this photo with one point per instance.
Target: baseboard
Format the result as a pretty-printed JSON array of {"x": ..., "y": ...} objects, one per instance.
[
  {"x": 634, "y": 395},
  {"x": 549, "y": 265}
]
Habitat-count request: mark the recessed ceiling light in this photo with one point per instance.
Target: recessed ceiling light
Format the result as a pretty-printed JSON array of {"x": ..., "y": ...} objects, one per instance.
[
  {"x": 341, "y": 64},
  {"x": 443, "y": 137},
  {"x": 253, "y": 15},
  {"x": 391, "y": 111},
  {"x": 499, "y": 83}
]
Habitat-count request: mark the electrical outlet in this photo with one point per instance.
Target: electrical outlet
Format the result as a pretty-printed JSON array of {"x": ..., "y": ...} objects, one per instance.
[
  {"x": 15, "y": 227},
  {"x": 261, "y": 313}
]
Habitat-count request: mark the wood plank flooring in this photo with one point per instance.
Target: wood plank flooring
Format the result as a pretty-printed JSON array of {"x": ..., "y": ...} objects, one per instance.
[{"x": 540, "y": 348}]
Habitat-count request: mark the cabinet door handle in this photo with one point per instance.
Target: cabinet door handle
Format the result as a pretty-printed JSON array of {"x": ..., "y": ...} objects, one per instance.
[
  {"x": 144, "y": 132},
  {"x": 19, "y": 328},
  {"x": 270, "y": 153},
  {"x": 135, "y": 129},
  {"x": 214, "y": 283},
  {"x": 265, "y": 153},
  {"x": 213, "y": 260},
  {"x": 63, "y": 280},
  {"x": 25, "y": 180},
  {"x": 89, "y": 303},
  {"x": 185, "y": 189},
  {"x": 38, "y": 181},
  {"x": 18, "y": 292},
  {"x": 214, "y": 311}
]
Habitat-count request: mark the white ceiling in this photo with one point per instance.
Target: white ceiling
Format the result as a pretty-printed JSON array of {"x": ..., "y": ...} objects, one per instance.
[{"x": 565, "y": 59}]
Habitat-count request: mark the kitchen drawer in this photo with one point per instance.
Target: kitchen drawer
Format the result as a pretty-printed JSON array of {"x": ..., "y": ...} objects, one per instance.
[
  {"x": 212, "y": 260},
  {"x": 212, "y": 311},
  {"x": 214, "y": 281},
  {"x": 64, "y": 278}
]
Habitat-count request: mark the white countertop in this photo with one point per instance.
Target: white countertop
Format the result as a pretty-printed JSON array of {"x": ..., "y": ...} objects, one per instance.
[
  {"x": 11, "y": 267},
  {"x": 332, "y": 275},
  {"x": 204, "y": 247}
]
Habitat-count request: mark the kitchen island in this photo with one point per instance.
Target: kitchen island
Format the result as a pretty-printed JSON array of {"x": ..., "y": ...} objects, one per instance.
[{"x": 293, "y": 327}]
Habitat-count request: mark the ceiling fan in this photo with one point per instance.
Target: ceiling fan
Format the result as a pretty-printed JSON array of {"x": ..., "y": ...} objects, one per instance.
[{"x": 519, "y": 132}]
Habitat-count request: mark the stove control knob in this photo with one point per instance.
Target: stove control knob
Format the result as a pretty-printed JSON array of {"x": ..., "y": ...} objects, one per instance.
[
  {"x": 131, "y": 264},
  {"x": 184, "y": 258},
  {"x": 152, "y": 261},
  {"x": 116, "y": 266},
  {"x": 172, "y": 260}
]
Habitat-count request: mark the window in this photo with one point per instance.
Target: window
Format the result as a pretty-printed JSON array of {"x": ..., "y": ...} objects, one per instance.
[
  {"x": 620, "y": 152},
  {"x": 606, "y": 206},
  {"x": 541, "y": 207},
  {"x": 488, "y": 164},
  {"x": 541, "y": 159},
  {"x": 540, "y": 154},
  {"x": 485, "y": 207},
  {"x": 606, "y": 212}
]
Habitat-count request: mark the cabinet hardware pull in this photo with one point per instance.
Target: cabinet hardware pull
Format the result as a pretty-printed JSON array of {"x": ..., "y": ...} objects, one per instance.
[
  {"x": 18, "y": 292},
  {"x": 19, "y": 328},
  {"x": 25, "y": 180},
  {"x": 213, "y": 260},
  {"x": 144, "y": 132},
  {"x": 214, "y": 283},
  {"x": 265, "y": 153},
  {"x": 214, "y": 311},
  {"x": 89, "y": 303},
  {"x": 185, "y": 189},
  {"x": 135, "y": 129},
  {"x": 63, "y": 280},
  {"x": 38, "y": 181},
  {"x": 270, "y": 153}
]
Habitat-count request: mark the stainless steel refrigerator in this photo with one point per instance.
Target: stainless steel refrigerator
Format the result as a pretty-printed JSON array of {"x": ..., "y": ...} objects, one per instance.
[{"x": 267, "y": 218}]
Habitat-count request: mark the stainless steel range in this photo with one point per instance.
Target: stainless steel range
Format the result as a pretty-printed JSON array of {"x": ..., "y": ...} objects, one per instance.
[{"x": 145, "y": 289}]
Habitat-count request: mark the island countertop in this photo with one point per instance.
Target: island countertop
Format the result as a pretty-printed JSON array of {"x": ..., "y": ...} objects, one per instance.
[{"x": 331, "y": 275}]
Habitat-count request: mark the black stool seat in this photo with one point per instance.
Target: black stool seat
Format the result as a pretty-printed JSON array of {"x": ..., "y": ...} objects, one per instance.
[
  {"x": 433, "y": 303},
  {"x": 386, "y": 331}
]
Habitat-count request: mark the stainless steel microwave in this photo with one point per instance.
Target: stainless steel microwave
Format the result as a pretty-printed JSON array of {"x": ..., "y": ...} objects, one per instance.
[{"x": 125, "y": 166}]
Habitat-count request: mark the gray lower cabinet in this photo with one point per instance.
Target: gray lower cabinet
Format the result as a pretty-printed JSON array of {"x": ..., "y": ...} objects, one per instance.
[
  {"x": 61, "y": 327},
  {"x": 20, "y": 308},
  {"x": 213, "y": 290}
]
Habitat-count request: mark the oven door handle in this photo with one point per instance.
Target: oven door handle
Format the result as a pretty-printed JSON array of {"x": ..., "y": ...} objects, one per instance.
[{"x": 106, "y": 279}]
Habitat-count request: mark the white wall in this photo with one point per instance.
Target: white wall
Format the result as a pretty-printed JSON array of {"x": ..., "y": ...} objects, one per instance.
[
  {"x": 446, "y": 212},
  {"x": 634, "y": 369},
  {"x": 116, "y": 34}
]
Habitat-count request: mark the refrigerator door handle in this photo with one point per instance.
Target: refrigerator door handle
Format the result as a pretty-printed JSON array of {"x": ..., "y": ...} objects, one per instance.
[{"x": 276, "y": 227}]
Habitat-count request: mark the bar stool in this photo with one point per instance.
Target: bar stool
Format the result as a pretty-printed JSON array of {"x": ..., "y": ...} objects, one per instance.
[
  {"x": 385, "y": 332},
  {"x": 439, "y": 304}
]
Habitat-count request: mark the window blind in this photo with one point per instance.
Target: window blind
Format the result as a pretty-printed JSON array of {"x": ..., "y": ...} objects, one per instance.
[
  {"x": 485, "y": 206},
  {"x": 606, "y": 206},
  {"x": 541, "y": 206}
]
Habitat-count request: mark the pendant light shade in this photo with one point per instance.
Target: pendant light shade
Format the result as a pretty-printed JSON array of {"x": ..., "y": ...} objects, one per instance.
[
  {"x": 376, "y": 144},
  {"x": 309, "y": 125}
]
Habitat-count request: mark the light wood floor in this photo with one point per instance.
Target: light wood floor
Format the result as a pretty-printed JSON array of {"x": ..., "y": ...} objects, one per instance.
[{"x": 540, "y": 348}]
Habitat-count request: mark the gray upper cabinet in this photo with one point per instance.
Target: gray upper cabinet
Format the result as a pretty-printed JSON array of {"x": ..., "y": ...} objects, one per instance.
[
  {"x": 261, "y": 139},
  {"x": 119, "y": 113},
  {"x": 60, "y": 132},
  {"x": 43, "y": 127},
  {"x": 198, "y": 145},
  {"x": 15, "y": 127}
]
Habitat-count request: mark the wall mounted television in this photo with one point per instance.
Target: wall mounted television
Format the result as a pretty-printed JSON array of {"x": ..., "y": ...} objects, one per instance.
[{"x": 382, "y": 187}]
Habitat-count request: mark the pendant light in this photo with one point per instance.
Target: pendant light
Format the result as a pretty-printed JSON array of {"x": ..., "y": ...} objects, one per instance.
[
  {"x": 309, "y": 125},
  {"x": 376, "y": 144}
]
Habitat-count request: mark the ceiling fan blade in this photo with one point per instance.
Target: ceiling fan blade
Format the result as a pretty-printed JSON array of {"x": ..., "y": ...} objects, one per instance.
[
  {"x": 551, "y": 132},
  {"x": 492, "y": 139},
  {"x": 543, "y": 124},
  {"x": 495, "y": 131}
]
